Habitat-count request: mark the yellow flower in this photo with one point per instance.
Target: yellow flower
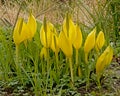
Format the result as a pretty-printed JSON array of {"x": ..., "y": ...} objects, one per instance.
[
  {"x": 32, "y": 25},
  {"x": 78, "y": 40},
  {"x": 43, "y": 53},
  {"x": 46, "y": 34},
  {"x": 109, "y": 56},
  {"x": 65, "y": 45},
  {"x": 55, "y": 44},
  {"x": 89, "y": 43},
  {"x": 77, "y": 44},
  {"x": 100, "y": 41},
  {"x": 21, "y": 32},
  {"x": 66, "y": 39},
  {"x": 104, "y": 60},
  {"x": 24, "y": 31},
  {"x": 69, "y": 29}
]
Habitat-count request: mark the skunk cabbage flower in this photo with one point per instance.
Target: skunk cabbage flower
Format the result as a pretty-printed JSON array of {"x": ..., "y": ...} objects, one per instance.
[
  {"x": 43, "y": 53},
  {"x": 65, "y": 45},
  {"x": 17, "y": 31},
  {"x": 100, "y": 41},
  {"x": 66, "y": 39},
  {"x": 89, "y": 43},
  {"x": 69, "y": 28},
  {"x": 46, "y": 34},
  {"x": 32, "y": 25},
  {"x": 24, "y": 31},
  {"x": 54, "y": 45},
  {"x": 104, "y": 60},
  {"x": 77, "y": 44},
  {"x": 78, "y": 40},
  {"x": 21, "y": 32}
]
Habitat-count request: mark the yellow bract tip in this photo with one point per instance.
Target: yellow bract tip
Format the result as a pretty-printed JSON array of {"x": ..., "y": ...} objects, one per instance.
[
  {"x": 90, "y": 41},
  {"x": 100, "y": 41}
]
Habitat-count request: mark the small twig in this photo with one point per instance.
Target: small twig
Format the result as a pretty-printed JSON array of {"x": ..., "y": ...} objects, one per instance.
[
  {"x": 3, "y": 21},
  {"x": 7, "y": 21}
]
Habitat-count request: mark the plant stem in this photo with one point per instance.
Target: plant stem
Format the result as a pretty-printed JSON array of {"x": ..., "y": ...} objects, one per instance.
[
  {"x": 48, "y": 71},
  {"x": 76, "y": 57},
  {"x": 86, "y": 58},
  {"x": 78, "y": 70},
  {"x": 87, "y": 71},
  {"x": 67, "y": 65},
  {"x": 87, "y": 76},
  {"x": 35, "y": 77},
  {"x": 48, "y": 64},
  {"x": 71, "y": 69},
  {"x": 56, "y": 55},
  {"x": 17, "y": 64},
  {"x": 98, "y": 82},
  {"x": 17, "y": 52}
]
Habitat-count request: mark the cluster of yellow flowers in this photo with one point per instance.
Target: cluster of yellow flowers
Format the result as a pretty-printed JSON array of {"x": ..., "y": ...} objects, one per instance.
[
  {"x": 70, "y": 37},
  {"x": 24, "y": 31}
]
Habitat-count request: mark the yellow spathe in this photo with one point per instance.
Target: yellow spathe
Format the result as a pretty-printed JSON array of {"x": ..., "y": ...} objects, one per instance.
[
  {"x": 90, "y": 41},
  {"x": 24, "y": 31},
  {"x": 104, "y": 60},
  {"x": 78, "y": 40},
  {"x": 69, "y": 28},
  {"x": 55, "y": 43},
  {"x": 21, "y": 32},
  {"x": 46, "y": 37},
  {"x": 32, "y": 25},
  {"x": 100, "y": 41},
  {"x": 65, "y": 45}
]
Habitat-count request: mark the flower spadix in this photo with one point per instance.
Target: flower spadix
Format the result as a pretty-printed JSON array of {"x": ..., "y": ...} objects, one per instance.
[
  {"x": 65, "y": 45},
  {"x": 46, "y": 34},
  {"x": 78, "y": 40},
  {"x": 104, "y": 60},
  {"x": 100, "y": 41},
  {"x": 69, "y": 28},
  {"x": 89, "y": 43}
]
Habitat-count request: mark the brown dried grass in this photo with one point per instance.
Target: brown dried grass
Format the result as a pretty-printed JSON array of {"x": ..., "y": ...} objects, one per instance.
[{"x": 54, "y": 10}]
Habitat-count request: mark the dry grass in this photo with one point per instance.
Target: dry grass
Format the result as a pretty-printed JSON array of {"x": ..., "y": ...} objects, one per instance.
[{"x": 54, "y": 10}]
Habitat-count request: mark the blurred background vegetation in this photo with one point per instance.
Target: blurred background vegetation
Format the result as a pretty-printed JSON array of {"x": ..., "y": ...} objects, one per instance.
[{"x": 103, "y": 14}]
